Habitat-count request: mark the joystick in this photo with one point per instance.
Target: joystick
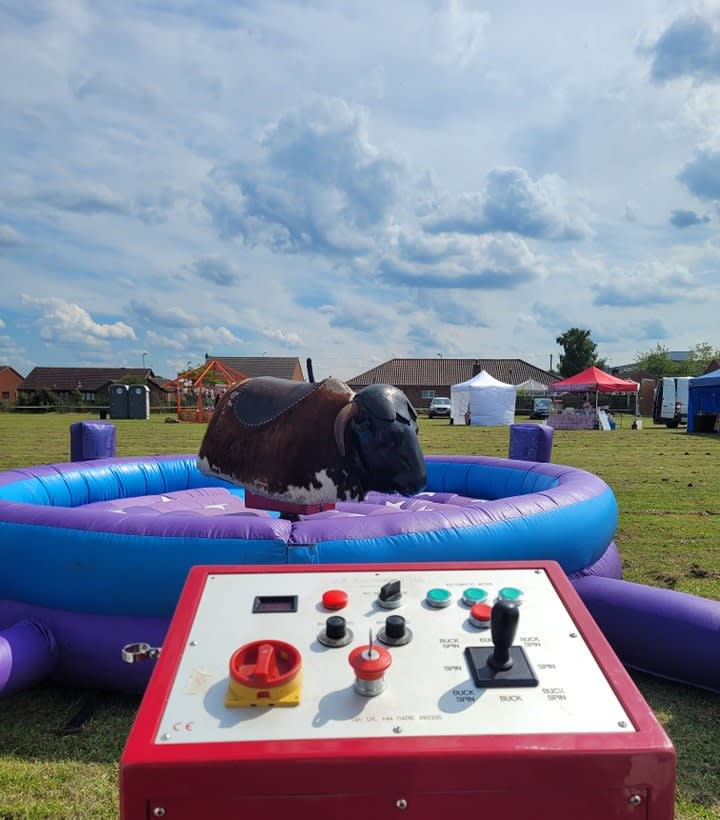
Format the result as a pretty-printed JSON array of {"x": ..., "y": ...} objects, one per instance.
[
  {"x": 503, "y": 626},
  {"x": 502, "y": 664}
]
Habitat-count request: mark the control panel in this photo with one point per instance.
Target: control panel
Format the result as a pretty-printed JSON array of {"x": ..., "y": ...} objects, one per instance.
[{"x": 382, "y": 667}]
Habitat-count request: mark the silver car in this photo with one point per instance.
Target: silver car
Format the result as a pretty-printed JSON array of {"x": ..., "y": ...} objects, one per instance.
[{"x": 439, "y": 408}]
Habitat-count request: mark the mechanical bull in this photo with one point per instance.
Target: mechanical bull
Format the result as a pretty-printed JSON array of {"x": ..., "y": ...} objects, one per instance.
[{"x": 314, "y": 442}]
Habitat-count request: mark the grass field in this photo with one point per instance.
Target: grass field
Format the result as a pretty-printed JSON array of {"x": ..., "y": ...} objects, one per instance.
[{"x": 667, "y": 484}]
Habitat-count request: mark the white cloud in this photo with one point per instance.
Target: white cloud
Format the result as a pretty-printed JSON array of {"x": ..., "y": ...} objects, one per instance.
[
  {"x": 317, "y": 185},
  {"x": 283, "y": 337},
  {"x": 456, "y": 32},
  {"x": 160, "y": 314},
  {"x": 64, "y": 323},
  {"x": 488, "y": 262},
  {"x": 9, "y": 237},
  {"x": 513, "y": 202}
]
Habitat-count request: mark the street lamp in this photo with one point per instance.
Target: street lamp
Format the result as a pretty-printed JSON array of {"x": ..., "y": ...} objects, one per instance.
[{"x": 143, "y": 357}]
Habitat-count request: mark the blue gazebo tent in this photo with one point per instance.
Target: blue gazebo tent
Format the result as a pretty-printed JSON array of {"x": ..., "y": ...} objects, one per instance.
[{"x": 704, "y": 397}]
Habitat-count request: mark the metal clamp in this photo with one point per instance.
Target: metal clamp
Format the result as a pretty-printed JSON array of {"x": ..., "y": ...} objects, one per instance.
[{"x": 135, "y": 652}]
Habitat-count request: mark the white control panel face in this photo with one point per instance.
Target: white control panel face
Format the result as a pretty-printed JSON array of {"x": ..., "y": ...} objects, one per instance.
[{"x": 428, "y": 687}]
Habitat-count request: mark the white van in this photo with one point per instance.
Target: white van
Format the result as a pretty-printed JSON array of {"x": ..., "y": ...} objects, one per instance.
[{"x": 670, "y": 403}]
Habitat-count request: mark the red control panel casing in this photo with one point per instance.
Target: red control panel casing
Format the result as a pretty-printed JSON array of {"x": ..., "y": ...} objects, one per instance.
[{"x": 583, "y": 776}]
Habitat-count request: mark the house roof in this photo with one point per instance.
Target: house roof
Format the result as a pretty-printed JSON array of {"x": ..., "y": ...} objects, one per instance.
[
  {"x": 438, "y": 372},
  {"x": 283, "y": 367},
  {"x": 84, "y": 378},
  {"x": 4, "y": 367}
]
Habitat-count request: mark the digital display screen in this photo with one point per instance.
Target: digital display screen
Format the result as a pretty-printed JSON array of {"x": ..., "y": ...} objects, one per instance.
[{"x": 275, "y": 603}]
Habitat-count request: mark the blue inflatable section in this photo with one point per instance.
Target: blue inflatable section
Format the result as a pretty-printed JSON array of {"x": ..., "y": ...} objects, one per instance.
[
  {"x": 118, "y": 536},
  {"x": 93, "y": 555}
]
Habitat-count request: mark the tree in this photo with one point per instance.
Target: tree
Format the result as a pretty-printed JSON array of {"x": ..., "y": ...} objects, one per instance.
[
  {"x": 657, "y": 362},
  {"x": 44, "y": 398},
  {"x": 580, "y": 352},
  {"x": 700, "y": 357}
]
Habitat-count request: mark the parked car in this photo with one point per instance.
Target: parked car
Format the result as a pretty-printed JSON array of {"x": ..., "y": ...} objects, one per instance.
[
  {"x": 541, "y": 408},
  {"x": 439, "y": 408}
]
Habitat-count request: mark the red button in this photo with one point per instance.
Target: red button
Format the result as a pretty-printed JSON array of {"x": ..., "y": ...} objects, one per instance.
[
  {"x": 334, "y": 599},
  {"x": 480, "y": 615}
]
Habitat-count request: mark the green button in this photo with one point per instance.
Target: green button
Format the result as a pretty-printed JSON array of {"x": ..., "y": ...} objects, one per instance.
[
  {"x": 438, "y": 597},
  {"x": 474, "y": 595},
  {"x": 512, "y": 595}
]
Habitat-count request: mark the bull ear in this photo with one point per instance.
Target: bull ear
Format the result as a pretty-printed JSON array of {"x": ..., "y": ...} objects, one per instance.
[{"x": 349, "y": 411}]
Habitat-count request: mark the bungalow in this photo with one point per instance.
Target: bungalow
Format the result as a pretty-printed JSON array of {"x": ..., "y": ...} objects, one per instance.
[
  {"x": 423, "y": 379},
  {"x": 88, "y": 385}
]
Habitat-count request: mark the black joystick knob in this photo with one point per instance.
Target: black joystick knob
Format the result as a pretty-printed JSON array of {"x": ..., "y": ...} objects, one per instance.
[
  {"x": 336, "y": 632},
  {"x": 396, "y": 632},
  {"x": 503, "y": 626}
]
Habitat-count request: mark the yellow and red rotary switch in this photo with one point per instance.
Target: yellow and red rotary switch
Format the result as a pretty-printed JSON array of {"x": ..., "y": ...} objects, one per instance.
[
  {"x": 334, "y": 599},
  {"x": 480, "y": 615},
  {"x": 370, "y": 663},
  {"x": 264, "y": 673}
]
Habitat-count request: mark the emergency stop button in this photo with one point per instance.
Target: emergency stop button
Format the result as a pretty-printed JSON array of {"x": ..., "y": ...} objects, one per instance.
[{"x": 264, "y": 673}]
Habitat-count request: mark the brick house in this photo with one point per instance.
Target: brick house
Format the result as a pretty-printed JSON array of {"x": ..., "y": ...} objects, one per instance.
[
  {"x": 88, "y": 384},
  {"x": 10, "y": 379},
  {"x": 423, "y": 379}
]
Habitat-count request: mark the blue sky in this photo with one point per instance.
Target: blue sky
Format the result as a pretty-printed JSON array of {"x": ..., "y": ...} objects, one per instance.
[{"x": 353, "y": 181}]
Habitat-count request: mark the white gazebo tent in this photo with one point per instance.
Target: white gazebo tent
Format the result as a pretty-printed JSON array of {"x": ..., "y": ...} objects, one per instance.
[
  {"x": 482, "y": 401},
  {"x": 532, "y": 388}
]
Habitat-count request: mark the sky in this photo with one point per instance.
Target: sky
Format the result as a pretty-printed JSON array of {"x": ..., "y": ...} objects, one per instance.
[{"x": 356, "y": 181}]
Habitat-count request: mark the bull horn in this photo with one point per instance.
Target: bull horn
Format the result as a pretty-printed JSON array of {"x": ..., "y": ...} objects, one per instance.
[{"x": 349, "y": 411}]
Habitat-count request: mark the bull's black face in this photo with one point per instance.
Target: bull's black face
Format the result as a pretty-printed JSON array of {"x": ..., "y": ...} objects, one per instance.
[{"x": 385, "y": 432}]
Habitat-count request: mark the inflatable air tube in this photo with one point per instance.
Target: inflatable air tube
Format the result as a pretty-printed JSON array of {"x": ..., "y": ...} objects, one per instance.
[
  {"x": 28, "y": 654},
  {"x": 72, "y": 648},
  {"x": 662, "y": 632}
]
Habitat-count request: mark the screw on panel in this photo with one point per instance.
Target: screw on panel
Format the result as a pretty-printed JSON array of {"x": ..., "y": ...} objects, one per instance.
[
  {"x": 635, "y": 800},
  {"x": 193, "y": 643},
  {"x": 397, "y": 730},
  {"x": 622, "y": 724},
  {"x": 401, "y": 804},
  {"x": 159, "y": 812}
]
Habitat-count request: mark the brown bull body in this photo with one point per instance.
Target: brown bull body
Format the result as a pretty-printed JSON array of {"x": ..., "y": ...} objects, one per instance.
[{"x": 295, "y": 441}]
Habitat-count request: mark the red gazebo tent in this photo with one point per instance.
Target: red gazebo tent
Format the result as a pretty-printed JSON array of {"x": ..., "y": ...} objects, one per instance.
[{"x": 594, "y": 380}]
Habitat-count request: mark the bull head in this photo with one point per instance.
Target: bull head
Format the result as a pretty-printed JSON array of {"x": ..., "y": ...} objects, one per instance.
[{"x": 379, "y": 427}]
